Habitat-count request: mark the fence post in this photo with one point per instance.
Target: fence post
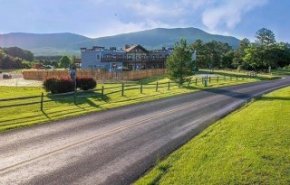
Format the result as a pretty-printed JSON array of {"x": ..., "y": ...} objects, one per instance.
[
  {"x": 237, "y": 78},
  {"x": 141, "y": 88},
  {"x": 217, "y": 79},
  {"x": 189, "y": 82},
  {"x": 225, "y": 78},
  {"x": 103, "y": 89},
  {"x": 209, "y": 79},
  {"x": 123, "y": 89},
  {"x": 196, "y": 81},
  {"x": 205, "y": 82},
  {"x": 168, "y": 86},
  {"x": 157, "y": 86},
  {"x": 75, "y": 97},
  {"x": 41, "y": 102}
]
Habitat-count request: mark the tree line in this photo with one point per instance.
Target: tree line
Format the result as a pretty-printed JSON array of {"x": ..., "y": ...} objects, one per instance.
[
  {"x": 260, "y": 55},
  {"x": 55, "y": 61}
]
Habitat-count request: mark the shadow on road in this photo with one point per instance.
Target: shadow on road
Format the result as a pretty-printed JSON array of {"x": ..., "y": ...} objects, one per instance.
[{"x": 229, "y": 93}]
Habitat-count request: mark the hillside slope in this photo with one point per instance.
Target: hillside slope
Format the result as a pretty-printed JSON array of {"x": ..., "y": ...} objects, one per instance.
[{"x": 69, "y": 43}]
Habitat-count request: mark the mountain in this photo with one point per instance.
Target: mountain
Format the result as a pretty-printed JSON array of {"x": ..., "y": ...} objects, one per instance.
[
  {"x": 44, "y": 44},
  {"x": 69, "y": 43}
]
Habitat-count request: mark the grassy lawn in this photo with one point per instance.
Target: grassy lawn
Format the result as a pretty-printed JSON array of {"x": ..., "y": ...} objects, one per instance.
[
  {"x": 63, "y": 106},
  {"x": 282, "y": 72},
  {"x": 261, "y": 76},
  {"x": 250, "y": 146}
]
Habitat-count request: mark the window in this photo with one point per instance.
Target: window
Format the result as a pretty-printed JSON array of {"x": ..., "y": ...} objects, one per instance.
[
  {"x": 98, "y": 57},
  {"x": 129, "y": 57}
]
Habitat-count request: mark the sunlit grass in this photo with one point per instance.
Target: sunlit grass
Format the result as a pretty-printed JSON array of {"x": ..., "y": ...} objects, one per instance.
[
  {"x": 250, "y": 146},
  {"x": 63, "y": 106}
]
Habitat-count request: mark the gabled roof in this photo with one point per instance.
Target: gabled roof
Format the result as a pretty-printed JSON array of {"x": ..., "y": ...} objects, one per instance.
[{"x": 136, "y": 46}]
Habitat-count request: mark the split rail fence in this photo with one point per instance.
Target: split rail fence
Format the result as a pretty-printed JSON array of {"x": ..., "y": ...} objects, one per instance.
[{"x": 103, "y": 92}]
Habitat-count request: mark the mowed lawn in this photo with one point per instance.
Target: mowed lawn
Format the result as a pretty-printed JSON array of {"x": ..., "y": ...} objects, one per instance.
[
  {"x": 250, "y": 146},
  {"x": 63, "y": 106}
]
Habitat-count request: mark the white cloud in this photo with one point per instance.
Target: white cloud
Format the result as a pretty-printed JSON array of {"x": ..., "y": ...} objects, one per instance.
[
  {"x": 218, "y": 16},
  {"x": 107, "y": 17},
  {"x": 155, "y": 9},
  {"x": 229, "y": 13}
]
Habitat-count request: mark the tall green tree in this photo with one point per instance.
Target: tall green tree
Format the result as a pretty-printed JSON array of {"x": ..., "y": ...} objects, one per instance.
[
  {"x": 64, "y": 62},
  {"x": 211, "y": 54},
  {"x": 239, "y": 54},
  {"x": 265, "y": 37},
  {"x": 201, "y": 53},
  {"x": 180, "y": 64},
  {"x": 253, "y": 59},
  {"x": 266, "y": 44}
]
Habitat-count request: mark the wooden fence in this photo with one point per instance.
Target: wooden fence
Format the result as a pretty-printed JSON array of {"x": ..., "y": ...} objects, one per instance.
[
  {"x": 103, "y": 91},
  {"x": 42, "y": 75}
]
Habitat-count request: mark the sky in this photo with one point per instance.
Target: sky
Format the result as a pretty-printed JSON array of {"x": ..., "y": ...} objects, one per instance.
[{"x": 96, "y": 18}]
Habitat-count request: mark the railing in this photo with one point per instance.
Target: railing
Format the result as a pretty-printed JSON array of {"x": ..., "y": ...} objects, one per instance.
[
  {"x": 144, "y": 60},
  {"x": 103, "y": 91}
]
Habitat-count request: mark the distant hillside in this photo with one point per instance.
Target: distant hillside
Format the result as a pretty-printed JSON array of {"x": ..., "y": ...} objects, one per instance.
[
  {"x": 14, "y": 58},
  {"x": 68, "y": 43}
]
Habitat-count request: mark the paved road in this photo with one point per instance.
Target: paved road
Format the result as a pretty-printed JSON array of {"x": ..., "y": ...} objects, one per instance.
[{"x": 116, "y": 146}]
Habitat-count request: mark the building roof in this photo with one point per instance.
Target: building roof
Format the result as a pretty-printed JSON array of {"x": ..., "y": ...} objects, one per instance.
[{"x": 134, "y": 47}]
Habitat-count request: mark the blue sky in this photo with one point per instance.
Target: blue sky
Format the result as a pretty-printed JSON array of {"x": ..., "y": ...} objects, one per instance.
[{"x": 95, "y": 18}]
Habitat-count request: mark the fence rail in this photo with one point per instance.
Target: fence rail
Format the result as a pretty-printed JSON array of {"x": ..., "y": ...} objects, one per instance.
[{"x": 103, "y": 91}]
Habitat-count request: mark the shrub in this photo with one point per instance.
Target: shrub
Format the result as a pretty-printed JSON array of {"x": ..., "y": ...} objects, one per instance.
[
  {"x": 54, "y": 85},
  {"x": 50, "y": 85},
  {"x": 86, "y": 83},
  {"x": 7, "y": 76}
]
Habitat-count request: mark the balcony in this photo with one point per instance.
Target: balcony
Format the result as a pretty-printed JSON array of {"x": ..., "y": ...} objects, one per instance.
[{"x": 133, "y": 60}]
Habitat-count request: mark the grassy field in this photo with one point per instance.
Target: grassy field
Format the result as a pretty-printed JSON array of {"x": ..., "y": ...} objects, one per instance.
[
  {"x": 250, "y": 146},
  {"x": 282, "y": 72},
  {"x": 63, "y": 106},
  {"x": 261, "y": 76}
]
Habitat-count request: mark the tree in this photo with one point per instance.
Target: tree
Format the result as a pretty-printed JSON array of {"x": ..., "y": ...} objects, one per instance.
[
  {"x": 227, "y": 59},
  {"x": 265, "y": 37},
  {"x": 211, "y": 54},
  {"x": 253, "y": 59},
  {"x": 264, "y": 53},
  {"x": 201, "y": 54},
  {"x": 280, "y": 53},
  {"x": 239, "y": 54},
  {"x": 64, "y": 62},
  {"x": 179, "y": 64}
]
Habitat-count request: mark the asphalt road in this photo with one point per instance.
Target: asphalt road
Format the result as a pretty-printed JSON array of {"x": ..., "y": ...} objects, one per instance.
[{"x": 119, "y": 145}]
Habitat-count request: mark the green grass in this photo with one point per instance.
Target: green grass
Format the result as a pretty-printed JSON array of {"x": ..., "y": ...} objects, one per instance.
[
  {"x": 261, "y": 76},
  {"x": 282, "y": 72},
  {"x": 63, "y": 106},
  {"x": 12, "y": 92},
  {"x": 250, "y": 146}
]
